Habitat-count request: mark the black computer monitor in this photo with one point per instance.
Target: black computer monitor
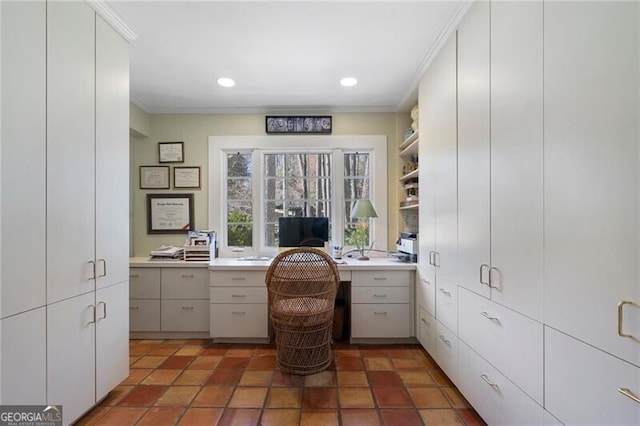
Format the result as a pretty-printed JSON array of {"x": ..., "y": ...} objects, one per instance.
[{"x": 303, "y": 231}]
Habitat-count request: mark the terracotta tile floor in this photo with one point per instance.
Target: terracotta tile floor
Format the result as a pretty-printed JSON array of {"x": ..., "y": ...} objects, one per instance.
[{"x": 196, "y": 382}]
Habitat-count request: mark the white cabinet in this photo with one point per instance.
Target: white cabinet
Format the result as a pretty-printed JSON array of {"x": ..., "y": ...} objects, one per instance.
[
  {"x": 381, "y": 305},
  {"x": 23, "y": 156},
  {"x": 582, "y": 383},
  {"x": 238, "y": 305},
  {"x": 426, "y": 330},
  {"x": 591, "y": 207},
  {"x": 144, "y": 299},
  {"x": 24, "y": 365}
]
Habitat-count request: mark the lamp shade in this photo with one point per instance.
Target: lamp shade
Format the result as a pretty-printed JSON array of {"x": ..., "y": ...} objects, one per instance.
[{"x": 363, "y": 209}]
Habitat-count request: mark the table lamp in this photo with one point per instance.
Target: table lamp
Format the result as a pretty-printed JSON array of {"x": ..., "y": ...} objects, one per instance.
[{"x": 363, "y": 211}]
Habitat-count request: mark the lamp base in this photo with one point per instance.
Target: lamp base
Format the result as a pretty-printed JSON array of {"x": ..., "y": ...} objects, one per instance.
[{"x": 363, "y": 258}]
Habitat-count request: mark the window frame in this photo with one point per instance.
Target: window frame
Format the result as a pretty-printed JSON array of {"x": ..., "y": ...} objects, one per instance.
[{"x": 220, "y": 146}]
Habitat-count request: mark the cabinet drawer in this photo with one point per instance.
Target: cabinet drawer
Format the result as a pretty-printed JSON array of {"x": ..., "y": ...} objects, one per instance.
[
  {"x": 380, "y": 320},
  {"x": 185, "y": 283},
  {"x": 238, "y": 295},
  {"x": 495, "y": 398},
  {"x": 185, "y": 315},
  {"x": 380, "y": 278},
  {"x": 144, "y": 283},
  {"x": 239, "y": 320},
  {"x": 446, "y": 354},
  {"x": 505, "y": 338},
  {"x": 447, "y": 304},
  {"x": 144, "y": 315},
  {"x": 427, "y": 331},
  {"x": 235, "y": 278},
  {"x": 380, "y": 295}
]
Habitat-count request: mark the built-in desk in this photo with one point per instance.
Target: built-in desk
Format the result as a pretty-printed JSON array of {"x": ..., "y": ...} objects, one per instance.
[{"x": 378, "y": 292}]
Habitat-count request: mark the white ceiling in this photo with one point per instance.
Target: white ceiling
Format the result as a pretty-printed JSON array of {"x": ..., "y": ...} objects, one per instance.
[{"x": 282, "y": 55}]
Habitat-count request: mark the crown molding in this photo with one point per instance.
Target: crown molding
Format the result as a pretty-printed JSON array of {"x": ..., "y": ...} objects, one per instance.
[
  {"x": 410, "y": 97},
  {"x": 113, "y": 18}
]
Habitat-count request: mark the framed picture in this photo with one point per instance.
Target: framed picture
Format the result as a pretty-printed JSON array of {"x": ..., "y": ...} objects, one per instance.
[
  {"x": 298, "y": 124},
  {"x": 170, "y": 152},
  {"x": 169, "y": 213},
  {"x": 154, "y": 177},
  {"x": 186, "y": 177}
]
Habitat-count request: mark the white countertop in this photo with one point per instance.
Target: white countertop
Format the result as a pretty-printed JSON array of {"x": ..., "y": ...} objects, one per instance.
[{"x": 376, "y": 263}]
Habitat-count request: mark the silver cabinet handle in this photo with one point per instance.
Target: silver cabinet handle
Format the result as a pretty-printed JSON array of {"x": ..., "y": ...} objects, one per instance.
[
  {"x": 380, "y": 278},
  {"x": 436, "y": 259},
  {"x": 380, "y": 313},
  {"x": 493, "y": 268},
  {"x": 432, "y": 256},
  {"x": 445, "y": 292},
  {"x": 629, "y": 394},
  {"x": 104, "y": 267},
  {"x": 238, "y": 312},
  {"x": 238, "y": 295},
  {"x": 445, "y": 340},
  {"x": 187, "y": 276},
  {"x": 483, "y": 282},
  {"x": 425, "y": 321},
  {"x": 379, "y": 295},
  {"x": 93, "y": 266},
  {"x": 105, "y": 310},
  {"x": 427, "y": 282},
  {"x": 489, "y": 317},
  {"x": 188, "y": 308},
  {"x": 238, "y": 278},
  {"x": 487, "y": 381},
  {"x": 94, "y": 314},
  {"x": 620, "y": 319}
]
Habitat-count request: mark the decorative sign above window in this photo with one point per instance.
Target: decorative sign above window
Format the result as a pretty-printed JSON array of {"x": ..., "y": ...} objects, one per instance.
[{"x": 298, "y": 124}]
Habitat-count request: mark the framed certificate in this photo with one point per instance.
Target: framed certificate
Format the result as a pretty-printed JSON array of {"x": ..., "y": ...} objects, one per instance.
[
  {"x": 170, "y": 152},
  {"x": 186, "y": 177},
  {"x": 169, "y": 213},
  {"x": 154, "y": 177}
]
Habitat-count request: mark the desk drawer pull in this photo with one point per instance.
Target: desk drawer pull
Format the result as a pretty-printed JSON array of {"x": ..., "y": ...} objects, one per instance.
[
  {"x": 489, "y": 317},
  {"x": 380, "y": 278},
  {"x": 238, "y": 313},
  {"x": 238, "y": 295},
  {"x": 380, "y": 313},
  {"x": 379, "y": 295},
  {"x": 238, "y": 278},
  {"x": 445, "y": 340},
  {"x": 134, "y": 308},
  {"x": 187, "y": 276},
  {"x": 445, "y": 292},
  {"x": 425, "y": 321},
  {"x": 487, "y": 381},
  {"x": 187, "y": 308},
  {"x": 134, "y": 276}
]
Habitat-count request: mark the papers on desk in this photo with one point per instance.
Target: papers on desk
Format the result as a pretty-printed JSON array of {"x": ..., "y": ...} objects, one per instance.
[{"x": 166, "y": 253}]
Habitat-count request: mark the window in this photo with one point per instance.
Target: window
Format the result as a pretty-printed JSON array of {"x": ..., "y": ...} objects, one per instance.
[{"x": 259, "y": 179}]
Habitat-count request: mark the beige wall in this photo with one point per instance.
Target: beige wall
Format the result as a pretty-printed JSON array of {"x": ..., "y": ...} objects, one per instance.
[{"x": 194, "y": 130}]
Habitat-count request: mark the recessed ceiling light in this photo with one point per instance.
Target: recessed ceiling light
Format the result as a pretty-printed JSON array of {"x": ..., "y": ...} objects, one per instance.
[
  {"x": 348, "y": 81},
  {"x": 226, "y": 82}
]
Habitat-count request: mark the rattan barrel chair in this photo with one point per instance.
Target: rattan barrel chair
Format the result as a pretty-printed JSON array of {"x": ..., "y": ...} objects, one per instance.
[{"x": 302, "y": 285}]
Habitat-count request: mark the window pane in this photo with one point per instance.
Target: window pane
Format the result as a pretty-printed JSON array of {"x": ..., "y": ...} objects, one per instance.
[
  {"x": 319, "y": 165},
  {"x": 296, "y": 189},
  {"x": 319, "y": 189},
  {"x": 239, "y": 165},
  {"x": 274, "y": 165},
  {"x": 356, "y": 164},
  {"x": 296, "y": 165},
  {"x": 239, "y": 235},
  {"x": 239, "y": 189},
  {"x": 271, "y": 235},
  {"x": 355, "y": 189},
  {"x": 273, "y": 210},
  {"x": 274, "y": 189},
  {"x": 238, "y": 211}
]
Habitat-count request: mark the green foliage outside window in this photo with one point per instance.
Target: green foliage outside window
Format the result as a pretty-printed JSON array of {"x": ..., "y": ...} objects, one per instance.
[{"x": 239, "y": 229}]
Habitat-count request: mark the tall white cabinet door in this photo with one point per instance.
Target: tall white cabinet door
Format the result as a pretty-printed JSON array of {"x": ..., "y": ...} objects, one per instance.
[
  {"x": 474, "y": 236},
  {"x": 444, "y": 99},
  {"x": 582, "y": 382},
  {"x": 516, "y": 155},
  {"x": 71, "y": 355},
  {"x": 112, "y": 155},
  {"x": 23, "y": 156},
  {"x": 24, "y": 358},
  {"x": 112, "y": 343},
  {"x": 591, "y": 172},
  {"x": 70, "y": 149}
]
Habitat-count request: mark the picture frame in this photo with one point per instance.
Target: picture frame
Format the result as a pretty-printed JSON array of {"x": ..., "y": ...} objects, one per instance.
[
  {"x": 171, "y": 152},
  {"x": 169, "y": 213},
  {"x": 154, "y": 177},
  {"x": 186, "y": 177},
  {"x": 299, "y": 124}
]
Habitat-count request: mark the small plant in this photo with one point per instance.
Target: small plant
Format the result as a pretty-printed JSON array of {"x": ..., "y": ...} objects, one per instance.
[{"x": 359, "y": 237}]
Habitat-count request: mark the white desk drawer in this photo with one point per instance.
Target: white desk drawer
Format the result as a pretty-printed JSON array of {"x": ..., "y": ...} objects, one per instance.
[
  {"x": 380, "y": 278},
  {"x": 446, "y": 354},
  {"x": 144, "y": 283},
  {"x": 238, "y": 295},
  {"x": 427, "y": 331},
  {"x": 144, "y": 315},
  {"x": 380, "y": 320},
  {"x": 380, "y": 295},
  {"x": 507, "y": 339},
  {"x": 237, "y": 278},
  {"x": 185, "y": 283},
  {"x": 185, "y": 315},
  {"x": 239, "y": 320}
]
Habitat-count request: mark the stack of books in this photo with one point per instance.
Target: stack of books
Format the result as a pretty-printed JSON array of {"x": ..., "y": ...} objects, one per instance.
[{"x": 167, "y": 253}]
